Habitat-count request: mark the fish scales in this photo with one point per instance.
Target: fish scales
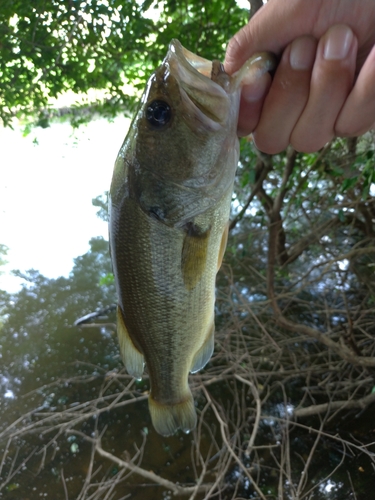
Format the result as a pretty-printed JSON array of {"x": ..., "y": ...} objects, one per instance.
[{"x": 169, "y": 209}]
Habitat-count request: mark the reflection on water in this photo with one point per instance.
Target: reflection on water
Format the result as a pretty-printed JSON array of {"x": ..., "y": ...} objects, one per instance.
[
  {"x": 55, "y": 171},
  {"x": 65, "y": 396}
]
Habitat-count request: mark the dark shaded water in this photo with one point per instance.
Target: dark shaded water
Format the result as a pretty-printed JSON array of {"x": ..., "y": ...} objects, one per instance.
[{"x": 62, "y": 385}]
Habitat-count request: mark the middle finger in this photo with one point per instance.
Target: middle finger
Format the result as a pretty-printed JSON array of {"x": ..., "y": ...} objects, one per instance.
[{"x": 331, "y": 81}]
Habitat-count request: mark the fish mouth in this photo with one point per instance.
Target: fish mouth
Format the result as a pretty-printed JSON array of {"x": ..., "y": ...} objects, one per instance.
[{"x": 206, "y": 99}]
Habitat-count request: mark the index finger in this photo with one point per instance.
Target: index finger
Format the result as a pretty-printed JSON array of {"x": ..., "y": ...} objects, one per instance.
[{"x": 273, "y": 27}]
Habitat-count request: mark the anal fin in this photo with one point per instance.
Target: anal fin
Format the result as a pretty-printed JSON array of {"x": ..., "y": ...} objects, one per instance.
[
  {"x": 204, "y": 354},
  {"x": 132, "y": 358}
]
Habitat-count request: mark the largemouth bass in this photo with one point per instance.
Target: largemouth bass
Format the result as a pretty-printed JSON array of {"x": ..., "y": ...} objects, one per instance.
[{"x": 169, "y": 208}]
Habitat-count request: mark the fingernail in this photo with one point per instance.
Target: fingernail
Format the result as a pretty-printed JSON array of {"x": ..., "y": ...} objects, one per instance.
[
  {"x": 338, "y": 40},
  {"x": 257, "y": 89},
  {"x": 302, "y": 53}
]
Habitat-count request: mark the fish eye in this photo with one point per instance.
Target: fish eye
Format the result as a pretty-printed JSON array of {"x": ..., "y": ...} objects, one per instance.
[{"x": 158, "y": 113}]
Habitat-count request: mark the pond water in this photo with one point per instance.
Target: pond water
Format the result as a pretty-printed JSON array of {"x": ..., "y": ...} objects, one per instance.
[
  {"x": 48, "y": 179},
  {"x": 62, "y": 386}
]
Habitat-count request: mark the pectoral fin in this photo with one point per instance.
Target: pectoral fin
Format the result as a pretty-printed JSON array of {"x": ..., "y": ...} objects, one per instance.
[
  {"x": 132, "y": 358},
  {"x": 223, "y": 246},
  {"x": 204, "y": 354},
  {"x": 194, "y": 256}
]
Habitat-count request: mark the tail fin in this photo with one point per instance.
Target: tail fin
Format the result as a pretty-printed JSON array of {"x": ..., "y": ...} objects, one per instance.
[{"x": 167, "y": 419}]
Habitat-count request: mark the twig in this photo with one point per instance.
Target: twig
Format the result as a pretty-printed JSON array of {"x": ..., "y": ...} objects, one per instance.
[
  {"x": 151, "y": 476},
  {"x": 200, "y": 480},
  {"x": 303, "y": 479},
  {"x": 264, "y": 166},
  {"x": 335, "y": 405},
  {"x": 290, "y": 164},
  {"x": 307, "y": 494},
  {"x": 5, "y": 453},
  {"x": 362, "y": 448},
  {"x": 257, "y": 415},
  {"x": 12, "y": 472},
  {"x": 223, "y": 425},
  {"x": 64, "y": 484},
  {"x": 343, "y": 351}
]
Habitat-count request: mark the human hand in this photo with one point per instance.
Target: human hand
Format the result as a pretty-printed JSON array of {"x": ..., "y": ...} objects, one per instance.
[{"x": 324, "y": 85}]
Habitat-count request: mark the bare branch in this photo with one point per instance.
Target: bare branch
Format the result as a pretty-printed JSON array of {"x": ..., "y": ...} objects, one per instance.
[
  {"x": 263, "y": 167},
  {"x": 353, "y": 404},
  {"x": 151, "y": 476},
  {"x": 255, "y": 5},
  {"x": 290, "y": 164},
  {"x": 310, "y": 239},
  {"x": 223, "y": 427},
  {"x": 258, "y": 413}
]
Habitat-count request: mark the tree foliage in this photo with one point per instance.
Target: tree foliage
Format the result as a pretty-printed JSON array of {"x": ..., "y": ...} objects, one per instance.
[{"x": 51, "y": 46}]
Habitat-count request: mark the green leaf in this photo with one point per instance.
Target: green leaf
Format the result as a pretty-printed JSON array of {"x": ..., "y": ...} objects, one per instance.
[
  {"x": 12, "y": 486},
  {"x": 348, "y": 183},
  {"x": 49, "y": 47},
  {"x": 106, "y": 280},
  {"x": 341, "y": 215}
]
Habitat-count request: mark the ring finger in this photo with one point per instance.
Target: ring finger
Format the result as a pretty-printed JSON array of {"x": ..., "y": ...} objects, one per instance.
[{"x": 287, "y": 96}]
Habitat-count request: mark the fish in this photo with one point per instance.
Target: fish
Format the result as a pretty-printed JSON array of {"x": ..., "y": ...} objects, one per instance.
[{"x": 169, "y": 207}]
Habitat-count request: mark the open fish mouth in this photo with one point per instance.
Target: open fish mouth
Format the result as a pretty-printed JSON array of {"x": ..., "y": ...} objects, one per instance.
[{"x": 203, "y": 97}]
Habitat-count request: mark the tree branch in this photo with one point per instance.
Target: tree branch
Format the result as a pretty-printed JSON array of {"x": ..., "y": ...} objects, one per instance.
[
  {"x": 311, "y": 238},
  {"x": 255, "y": 5},
  {"x": 290, "y": 164},
  {"x": 263, "y": 167},
  {"x": 335, "y": 405},
  {"x": 273, "y": 208},
  {"x": 343, "y": 351}
]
